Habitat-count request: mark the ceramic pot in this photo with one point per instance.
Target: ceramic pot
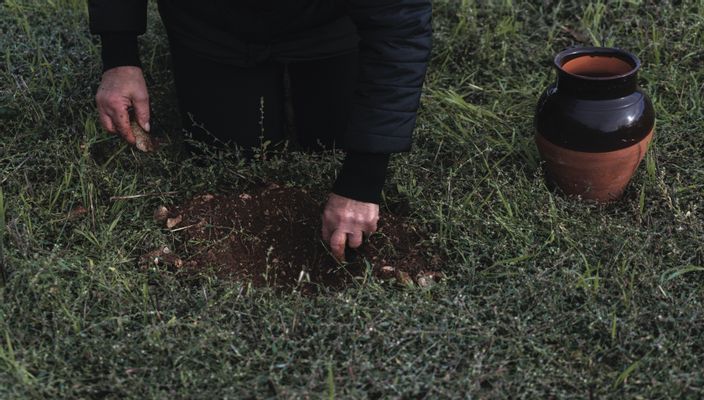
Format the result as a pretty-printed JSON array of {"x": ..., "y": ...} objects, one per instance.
[{"x": 594, "y": 124}]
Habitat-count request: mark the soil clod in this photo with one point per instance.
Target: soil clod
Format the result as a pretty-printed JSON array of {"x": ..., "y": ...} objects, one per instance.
[
  {"x": 427, "y": 279},
  {"x": 172, "y": 222},
  {"x": 144, "y": 142},
  {"x": 162, "y": 256},
  {"x": 161, "y": 214}
]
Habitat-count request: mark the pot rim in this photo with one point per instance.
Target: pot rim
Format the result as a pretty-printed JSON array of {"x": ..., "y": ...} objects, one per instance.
[{"x": 575, "y": 52}]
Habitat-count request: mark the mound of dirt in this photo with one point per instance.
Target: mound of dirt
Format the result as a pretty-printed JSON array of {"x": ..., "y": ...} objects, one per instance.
[{"x": 271, "y": 236}]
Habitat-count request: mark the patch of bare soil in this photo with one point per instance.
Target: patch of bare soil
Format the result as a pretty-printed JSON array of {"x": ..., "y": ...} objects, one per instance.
[{"x": 271, "y": 236}]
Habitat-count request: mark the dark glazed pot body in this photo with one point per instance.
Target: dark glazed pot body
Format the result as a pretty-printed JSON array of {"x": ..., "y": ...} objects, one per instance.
[{"x": 594, "y": 124}]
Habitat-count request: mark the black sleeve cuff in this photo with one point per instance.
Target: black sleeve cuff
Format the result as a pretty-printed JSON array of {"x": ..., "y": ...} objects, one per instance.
[
  {"x": 362, "y": 177},
  {"x": 119, "y": 49}
]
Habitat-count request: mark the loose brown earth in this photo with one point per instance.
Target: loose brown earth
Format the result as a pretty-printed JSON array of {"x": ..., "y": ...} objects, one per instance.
[{"x": 271, "y": 236}]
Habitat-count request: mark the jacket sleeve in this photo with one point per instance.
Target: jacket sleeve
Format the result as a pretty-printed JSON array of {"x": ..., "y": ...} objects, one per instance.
[
  {"x": 118, "y": 22},
  {"x": 394, "y": 50},
  {"x": 362, "y": 176},
  {"x": 117, "y": 16}
]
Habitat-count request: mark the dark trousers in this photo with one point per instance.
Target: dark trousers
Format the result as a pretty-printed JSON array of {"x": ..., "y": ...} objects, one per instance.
[{"x": 307, "y": 102}]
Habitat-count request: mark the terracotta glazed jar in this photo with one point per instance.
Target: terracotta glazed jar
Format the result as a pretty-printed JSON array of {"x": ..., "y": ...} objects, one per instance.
[{"x": 594, "y": 124}]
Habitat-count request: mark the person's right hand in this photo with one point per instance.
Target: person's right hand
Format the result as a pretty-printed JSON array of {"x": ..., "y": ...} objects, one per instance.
[{"x": 120, "y": 89}]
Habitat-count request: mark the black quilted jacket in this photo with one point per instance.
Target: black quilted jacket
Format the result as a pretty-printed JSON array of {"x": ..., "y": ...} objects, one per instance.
[{"x": 393, "y": 37}]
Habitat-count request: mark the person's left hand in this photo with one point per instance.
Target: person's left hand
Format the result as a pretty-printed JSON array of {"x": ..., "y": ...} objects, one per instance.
[{"x": 347, "y": 221}]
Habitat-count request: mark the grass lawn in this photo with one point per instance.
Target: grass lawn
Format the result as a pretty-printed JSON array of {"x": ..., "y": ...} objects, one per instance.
[{"x": 545, "y": 296}]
